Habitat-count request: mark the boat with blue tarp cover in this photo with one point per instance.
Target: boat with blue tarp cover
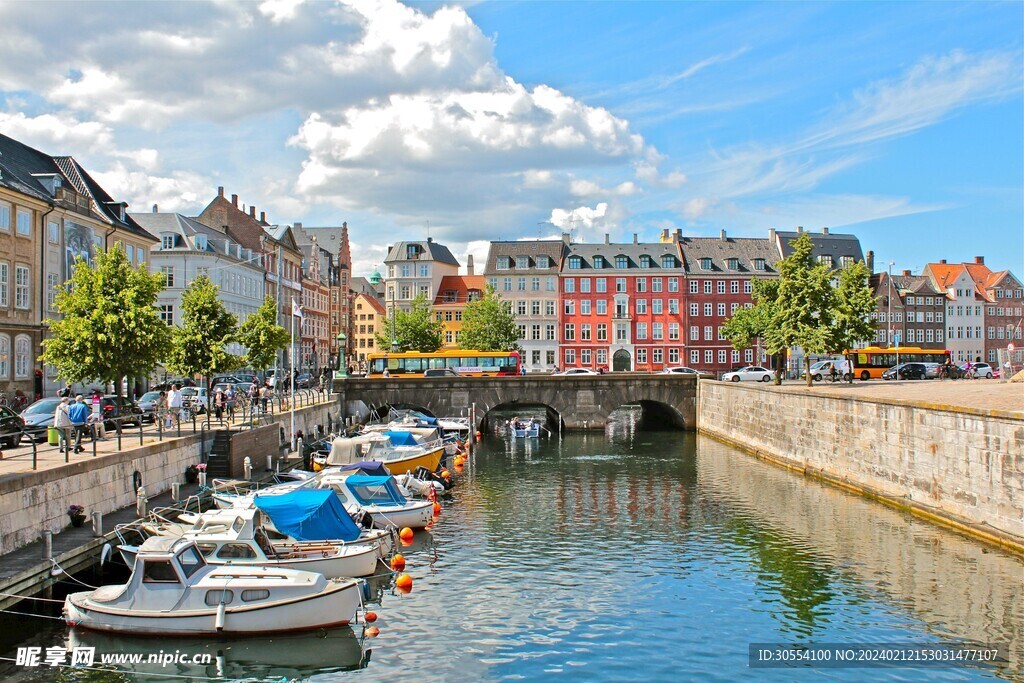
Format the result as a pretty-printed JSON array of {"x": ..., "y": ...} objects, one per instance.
[{"x": 380, "y": 498}]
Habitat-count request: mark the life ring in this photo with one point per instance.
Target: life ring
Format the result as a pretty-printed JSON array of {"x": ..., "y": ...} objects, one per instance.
[{"x": 137, "y": 480}]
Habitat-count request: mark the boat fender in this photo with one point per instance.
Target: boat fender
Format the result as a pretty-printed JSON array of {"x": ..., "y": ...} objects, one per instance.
[
  {"x": 137, "y": 480},
  {"x": 219, "y": 623},
  {"x": 105, "y": 554}
]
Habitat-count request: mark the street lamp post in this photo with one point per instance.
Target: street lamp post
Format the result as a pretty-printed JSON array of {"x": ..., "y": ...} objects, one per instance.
[
  {"x": 892, "y": 337},
  {"x": 342, "y": 365}
]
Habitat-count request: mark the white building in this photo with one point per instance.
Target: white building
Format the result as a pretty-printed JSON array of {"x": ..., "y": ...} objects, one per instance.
[
  {"x": 416, "y": 268},
  {"x": 189, "y": 249}
]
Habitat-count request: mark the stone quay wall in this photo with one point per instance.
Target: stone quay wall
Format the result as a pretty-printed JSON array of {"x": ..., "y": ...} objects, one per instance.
[
  {"x": 36, "y": 501},
  {"x": 957, "y": 466}
]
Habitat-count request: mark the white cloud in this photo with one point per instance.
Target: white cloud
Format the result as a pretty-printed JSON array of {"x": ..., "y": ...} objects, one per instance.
[{"x": 181, "y": 191}]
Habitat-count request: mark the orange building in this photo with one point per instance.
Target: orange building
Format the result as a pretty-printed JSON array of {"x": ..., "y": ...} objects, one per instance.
[
  {"x": 454, "y": 292},
  {"x": 367, "y": 314}
]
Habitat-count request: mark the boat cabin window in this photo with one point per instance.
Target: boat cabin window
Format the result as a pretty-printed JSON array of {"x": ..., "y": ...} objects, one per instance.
[
  {"x": 237, "y": 525},
  {"x": 255, "y": 594},
  {"x": 190, "y": 561},
  {"x": 235, "y": 551},
  {"x": 206, "y": 548},
  {"x": 214, "y": 598},
  {"x": 158, "y": 571}
]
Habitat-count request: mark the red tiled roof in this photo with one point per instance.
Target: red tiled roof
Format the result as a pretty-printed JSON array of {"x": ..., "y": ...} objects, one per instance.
[
  {"x": 457, "y": 287},
  {"x": 374, "y": 303}
]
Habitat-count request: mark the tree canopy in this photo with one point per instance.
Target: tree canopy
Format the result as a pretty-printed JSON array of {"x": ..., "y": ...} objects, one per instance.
[
  {"x": 489, "y": 325},
  {"x": 199, "y": 345},
  {"x": 415, "y": 329},
  {"x": 262, "y": 336},
  {"x": 110, "y": 327}
]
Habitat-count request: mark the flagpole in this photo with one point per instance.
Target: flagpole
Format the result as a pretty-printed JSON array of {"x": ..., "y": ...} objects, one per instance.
[{"x": 291, "y": 376}]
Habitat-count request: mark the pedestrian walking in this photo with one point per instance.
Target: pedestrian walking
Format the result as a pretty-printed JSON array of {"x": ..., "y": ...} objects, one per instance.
[
  {"x": 62, "y": 422},
  {"x": 264, "y": 397},
  {"x": 174, "y": 405},
  {"x": 218, "y": 402},
  {"x": 78, "y": 412}
]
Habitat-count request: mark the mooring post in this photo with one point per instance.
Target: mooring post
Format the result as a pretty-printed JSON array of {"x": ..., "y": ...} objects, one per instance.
[
  {"x": 47, "y": 545},
  {"x": 202, "y": 479},
  {"x": 175, "y": 491},
  {"x": 140, "y": 502},
  {"x": 97, "y": 524},
  {"x": 247, "y": 468},
  {"x": 270, "y": 462}
]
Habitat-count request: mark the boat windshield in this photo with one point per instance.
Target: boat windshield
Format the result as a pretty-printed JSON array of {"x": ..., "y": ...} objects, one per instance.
[{"x": 190, "y": 560}]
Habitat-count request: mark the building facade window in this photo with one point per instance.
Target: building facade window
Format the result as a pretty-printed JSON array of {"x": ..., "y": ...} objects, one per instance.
[
  {"x": 5, "y": 356},
  {"x": 21, "y": 287},
  {"x": 24, "y": 223},
  {"x": 5, "y": 284},
  {"x": 22, "y": 346}
]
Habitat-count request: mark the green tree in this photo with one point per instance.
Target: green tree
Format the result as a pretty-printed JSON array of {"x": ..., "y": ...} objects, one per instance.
[
  {"x": 803, "y": 314},
  {"x": 488, "y": 324},
  {"x": 199, "y": 346},
  {"x": 414, "y": 330},
  {"x": 748, "y": 325},
  {"x": 853, "y": 302},
  {"x": 110, "y": 326},
  {"x": 262, "y": 336}
]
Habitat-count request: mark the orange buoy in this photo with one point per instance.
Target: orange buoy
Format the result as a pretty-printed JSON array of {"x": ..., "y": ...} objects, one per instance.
[
  {"x": 445, "y": 474},
  {"x": 406, "y": 534},
  {"x": 403, "y": 581},
  {"x": 372, "y": 631},
  {"x": 370, "y": 617},
  {"x": 437, "y": 509},
  {"x": 398, "y": 562}
]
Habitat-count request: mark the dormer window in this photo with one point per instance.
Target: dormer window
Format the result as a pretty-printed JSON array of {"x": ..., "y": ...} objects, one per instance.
[
  {"x": 826, "y": 259},
  {"x": 167, "y": 242},
  {"x": 450, "y": 296},
  {"x": 845, "y": 261},
  {"x": 599, "y": 262},
  {"x": 474, "y": 295},
  {"x": 504, "y": 262},
  {"x": 201, "y": 242},
  {"x": 668, "y": 261},
  {"x": 621, "y": 261},
  {"x": 522, "y": 262},
  {"x": 575, "y": 262},
  {"x": 733, "y": 263},
  {"x": 543, "y": 261},
  {"x": 705, "y": 263},
  {"x": 412, "y": 251},
  {"x": 759, "y": 264},
  {"x": 646, "y": 261}
]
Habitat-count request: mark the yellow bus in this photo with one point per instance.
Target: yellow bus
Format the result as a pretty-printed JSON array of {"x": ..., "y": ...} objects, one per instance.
[
  {"x": 870, "y": 362},
  {"x": 463, "y": 361}
]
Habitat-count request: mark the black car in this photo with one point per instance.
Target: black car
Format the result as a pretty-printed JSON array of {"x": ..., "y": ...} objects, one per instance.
[
  {"x": 11, "y": 427},
  {"x": 120, "y": 409},
  {"x": 906, "y": 371},
  {"x": 304, "y": 381}
]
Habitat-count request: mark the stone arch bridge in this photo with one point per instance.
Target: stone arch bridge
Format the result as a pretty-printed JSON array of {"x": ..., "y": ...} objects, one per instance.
[{"x": 579, "y": 402}]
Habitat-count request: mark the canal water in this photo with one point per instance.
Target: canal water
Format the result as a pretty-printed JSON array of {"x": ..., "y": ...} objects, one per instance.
[{"x": 631, "y": 555}]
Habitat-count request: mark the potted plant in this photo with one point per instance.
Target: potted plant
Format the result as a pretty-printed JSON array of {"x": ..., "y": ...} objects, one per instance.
[
  {"x": 191, "y": 474},
  {"x": 77, "y": 515}
]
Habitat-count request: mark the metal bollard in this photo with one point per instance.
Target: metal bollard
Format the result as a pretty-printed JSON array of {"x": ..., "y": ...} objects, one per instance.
[
  {"x": 97, "y": 524},
  {"x": 47, "y": 545},
  {"x": 140, "y": 501},
  {"x": 247, "y": 468},
  {"x": 202, "y": 479},
  {"x": 175, "y": 491},
  {"x": 270, "y": 462}
]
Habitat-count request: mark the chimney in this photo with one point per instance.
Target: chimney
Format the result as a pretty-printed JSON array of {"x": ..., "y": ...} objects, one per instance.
[
  {"x": 676, "y": 236},
  {"x": 566, "y": 238},
  {"x": 980, "y": 260},
  {"x": 771, "y": 236},
  {"x": 824, "y": 231},
  {"x": 942, "y": 261},
  {"x": 870, "y": 262},
  {"x": 906, "y": 273},
  {"x": 469, "y": 265},
  {"x": 430, "y": 240},
  {"x": 607, "y": 238},
  {"x": 800, "y": 229},
  {"x": 252, "y": 212},
  {"x": 220, "y": 191},
  {"x": 234, "y": 200},
  {"x": 634, "y": 238},
  {"x": 664, "y": 235},
  {"x": 156, "y": 209},
  {"x": 679, "y": 234},
  {"x": 263, "y": 216},
  {"x": 297, "y": 226},
  {"x": 723, "y": 237}
]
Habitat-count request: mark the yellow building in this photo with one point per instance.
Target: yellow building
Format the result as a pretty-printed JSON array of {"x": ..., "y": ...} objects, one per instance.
[
  {"x": 367, "y": 313},
  {"x": 454, "y": 292}
]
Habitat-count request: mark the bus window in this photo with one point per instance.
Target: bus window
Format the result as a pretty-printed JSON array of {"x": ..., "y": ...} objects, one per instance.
[
  {"x": 393, "y": 364},
  {"x": 452, "y": 362},
  {"x": 437, "y": 362},
  {"x": 414, "y": 364},
  {"x": 378, "y": 366},
  {"x": 487, "y": 362}
]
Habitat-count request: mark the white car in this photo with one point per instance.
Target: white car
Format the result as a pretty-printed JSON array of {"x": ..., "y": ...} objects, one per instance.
[
  {"x": 577, "y": 371},
  {"x": 751, "y": 373},
  {"x": 680, "y": 370},
  {"x": 982, "y": 370}
]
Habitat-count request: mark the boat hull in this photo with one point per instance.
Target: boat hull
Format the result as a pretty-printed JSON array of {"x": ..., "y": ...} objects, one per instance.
[
  {"x": 335, "y": 605},
  {"x": 415, "y": 515},
  {"x": 404, "y": 465}
]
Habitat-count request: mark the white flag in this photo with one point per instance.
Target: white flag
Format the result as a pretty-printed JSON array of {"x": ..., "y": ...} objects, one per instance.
[{"x": 296, "y": 310}]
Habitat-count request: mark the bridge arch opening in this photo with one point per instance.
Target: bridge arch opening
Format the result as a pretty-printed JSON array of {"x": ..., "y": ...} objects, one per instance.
[
  {"x": 647, "y": 415},
  {"x": 497, "y": 416}
]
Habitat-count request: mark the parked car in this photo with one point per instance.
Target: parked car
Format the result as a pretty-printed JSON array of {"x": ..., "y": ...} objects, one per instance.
[
  {"x": 931, "y": 370},
  {"x": 304, "y": 380},
  {"x": 38, "y": 417},
  {"x": 751, "y": 373},
  {"x": 117, "y": 409},
  {"x": 906, "y": 371},
  {"x": 12, "y": 426},
  {"x": 577, "y": 371},
  {"x": 147, "y": 404},
  {"x": 441, "y": 372},
  {"x": 679, "y": 370},
  {"x": 195, "y": 398},
  {"x": 823, "y": 369},
  {"x": 979, "y": 370}
]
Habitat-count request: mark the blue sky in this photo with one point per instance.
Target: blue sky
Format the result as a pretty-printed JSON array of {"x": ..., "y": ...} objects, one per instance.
[{"x": 901, "y": 122}]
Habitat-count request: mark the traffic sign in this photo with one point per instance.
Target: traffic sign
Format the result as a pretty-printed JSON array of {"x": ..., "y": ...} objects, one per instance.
[{"x": 1010, "y": 347}]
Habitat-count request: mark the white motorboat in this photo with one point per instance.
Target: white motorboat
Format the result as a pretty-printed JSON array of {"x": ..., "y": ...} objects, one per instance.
[
  {"x": 174, "y": 591},
  {"x": 400, "y": 451},
  {"x": 236, "y": 537},
  {"x": 379, "y": 498}
]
